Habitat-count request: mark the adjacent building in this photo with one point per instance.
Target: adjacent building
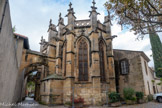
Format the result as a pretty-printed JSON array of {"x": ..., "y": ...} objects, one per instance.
[
  {"x": 21, "y": 45},
  {"x": 132, "y": 70}
]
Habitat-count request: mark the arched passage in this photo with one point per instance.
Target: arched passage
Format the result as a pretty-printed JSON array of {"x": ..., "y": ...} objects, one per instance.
[{"x": 32, "y": 61}]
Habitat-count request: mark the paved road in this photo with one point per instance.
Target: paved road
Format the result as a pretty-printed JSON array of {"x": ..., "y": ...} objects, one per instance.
[
  {"x": 30, "y": 103},
  {"x": 145, "y": 105}
]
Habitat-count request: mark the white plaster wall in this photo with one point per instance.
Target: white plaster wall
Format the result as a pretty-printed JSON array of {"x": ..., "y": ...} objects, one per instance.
[{"x": 147, "y": 77}]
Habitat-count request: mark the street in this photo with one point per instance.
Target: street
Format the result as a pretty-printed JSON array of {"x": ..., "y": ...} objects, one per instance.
[{"x": 30, "y": 103}]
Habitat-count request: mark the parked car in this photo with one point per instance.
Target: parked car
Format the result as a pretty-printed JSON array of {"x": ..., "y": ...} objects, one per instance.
[
  {"x": 31, "y": 95},
  {"x": 158, "y": 97}
]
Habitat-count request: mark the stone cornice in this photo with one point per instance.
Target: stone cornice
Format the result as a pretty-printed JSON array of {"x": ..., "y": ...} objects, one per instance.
[
  {"x": 110, "y": 56},
  {"x": 70, "y": 52}
]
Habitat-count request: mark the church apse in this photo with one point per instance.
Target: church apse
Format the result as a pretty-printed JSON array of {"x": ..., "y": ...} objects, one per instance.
[{"x": 80, "y": 60}]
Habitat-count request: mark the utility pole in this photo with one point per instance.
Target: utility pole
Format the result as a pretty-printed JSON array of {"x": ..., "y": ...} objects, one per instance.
[
  {"x": 107, "y": 95},
  {"x": 73, "y": 97}
]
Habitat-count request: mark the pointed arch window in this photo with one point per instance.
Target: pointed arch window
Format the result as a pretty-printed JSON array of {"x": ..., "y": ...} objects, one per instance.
[
  {"x": 83, "y": 60},
  {"x": 102, "y": 63}
]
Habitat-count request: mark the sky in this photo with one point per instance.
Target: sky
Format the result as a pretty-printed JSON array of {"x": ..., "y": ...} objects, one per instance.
[{"x": 31, "y": 18}]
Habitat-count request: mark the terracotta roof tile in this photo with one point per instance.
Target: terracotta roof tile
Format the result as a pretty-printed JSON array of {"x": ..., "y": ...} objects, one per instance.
[{"x": 20, "y": 35}]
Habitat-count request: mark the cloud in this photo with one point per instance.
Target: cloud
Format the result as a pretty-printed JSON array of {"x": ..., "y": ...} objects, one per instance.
[
  {"x": 127, "y": 41},
  {"x": 31, "y": 18}
]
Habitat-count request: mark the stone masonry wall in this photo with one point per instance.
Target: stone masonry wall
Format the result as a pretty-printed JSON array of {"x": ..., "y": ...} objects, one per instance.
[{"x": 134, "y": 79}]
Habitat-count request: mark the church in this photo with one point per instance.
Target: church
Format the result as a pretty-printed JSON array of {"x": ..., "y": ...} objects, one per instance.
[
  {"x": 81, "y": 59},
  {"x": 77, "y": 62},
  {"x": 82, "y": 63}
]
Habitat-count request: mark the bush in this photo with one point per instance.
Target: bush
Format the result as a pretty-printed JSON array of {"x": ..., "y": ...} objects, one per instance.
[
  {"x": 42, "y": 103},
  {"x": 129, "y": 94},
  {"x": 150, "y": 97},
  {"x": 68, "y": 103},
  {"x": 114, "y": 97},
  {"x": 139, "y": 95}
]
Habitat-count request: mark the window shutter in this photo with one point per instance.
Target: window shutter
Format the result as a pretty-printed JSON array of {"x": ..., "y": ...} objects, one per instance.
[
  {"x": 127, "y": 66},
  {"x": 124, "y": 66}
]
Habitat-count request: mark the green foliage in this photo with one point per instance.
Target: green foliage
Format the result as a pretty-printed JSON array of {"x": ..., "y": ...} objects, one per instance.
[
  {"x": 114, "y": 97},
  {"x": 142, "y": 17},
  {"x": 42, "y": 103},
  {"x": 129, "y": 94},
  {"x": 68, "y": 103},
  {"x": 153, "y": 81},
  {"x": 31, "y": 85},
  {"x": 150, "y": 97},
  {"x": 138, "y": 15},
  {"x": 157, "y": 53},
  {"x": 139, "y": 95},
  {"x": 14, "y": 29}
]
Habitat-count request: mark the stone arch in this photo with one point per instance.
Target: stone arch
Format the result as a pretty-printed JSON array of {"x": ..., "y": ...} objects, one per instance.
[
  {"x": 85, "y": 37},
  {"x": 30, "y": 58}
]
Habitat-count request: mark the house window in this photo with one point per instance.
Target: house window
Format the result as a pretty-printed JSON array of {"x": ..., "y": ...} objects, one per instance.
[
  {"x": 124, "y": 67},
  {"x": 145, "y": 67},
  {"x": 83, "y": 60},
  {"x": 102, "y": 64}
]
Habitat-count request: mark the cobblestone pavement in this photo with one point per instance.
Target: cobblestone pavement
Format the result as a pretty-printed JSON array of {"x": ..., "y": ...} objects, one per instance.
[{"x": 30, "y": 103}]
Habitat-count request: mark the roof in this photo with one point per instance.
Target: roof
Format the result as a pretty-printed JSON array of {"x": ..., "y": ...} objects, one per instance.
[
  {"x": 141, "y": 52},
  {"x": 20, "y": 35},
  {"x": 53, "y": 76},
  {"x": 25, "y": 38}
]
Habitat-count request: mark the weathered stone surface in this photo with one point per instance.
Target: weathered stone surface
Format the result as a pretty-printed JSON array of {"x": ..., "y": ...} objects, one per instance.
[{"x": 8, "y": 58}]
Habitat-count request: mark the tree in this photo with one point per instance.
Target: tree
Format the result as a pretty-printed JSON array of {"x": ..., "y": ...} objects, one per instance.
[
  {"x": 157, "y": 53},
  {"x": 160, "y": 83},
  {"x": 14, "y": 29},
  {"x": 31, "y": 86},
  {"x": 138, "y": 15},
  {"x": 143, "y": 17}
]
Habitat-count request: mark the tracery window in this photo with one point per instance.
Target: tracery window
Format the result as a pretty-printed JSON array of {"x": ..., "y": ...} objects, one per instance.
[
  {"x": 83, "y": 60},
  {"x": 102, "y": 64}
]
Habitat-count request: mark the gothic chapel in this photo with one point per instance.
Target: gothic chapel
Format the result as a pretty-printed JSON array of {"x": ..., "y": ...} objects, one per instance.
[{"x": 81, "y": 60}]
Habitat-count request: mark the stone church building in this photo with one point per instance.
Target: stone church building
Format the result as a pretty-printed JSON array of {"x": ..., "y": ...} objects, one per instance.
[
  {"x": 81, "y": 59},
  {"x": 81, "y": 62},
  {"x": 77, "y": 61}
]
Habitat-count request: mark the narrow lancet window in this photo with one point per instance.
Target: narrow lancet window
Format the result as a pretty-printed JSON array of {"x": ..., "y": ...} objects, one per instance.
[
  {"x": 102, "y": 64},
  {"x": 83, "y": 60}
]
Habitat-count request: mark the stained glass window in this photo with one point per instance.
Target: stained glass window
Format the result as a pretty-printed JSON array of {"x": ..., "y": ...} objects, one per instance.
[{"x": 83, "y": 60}]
